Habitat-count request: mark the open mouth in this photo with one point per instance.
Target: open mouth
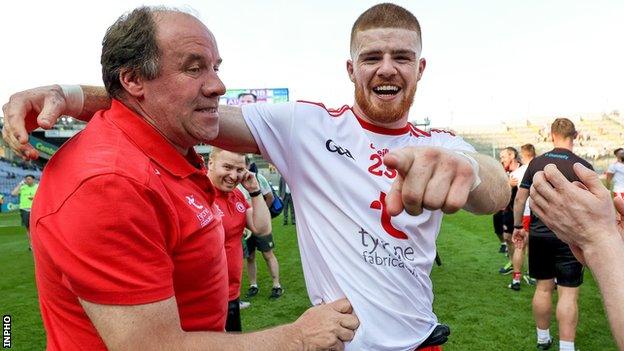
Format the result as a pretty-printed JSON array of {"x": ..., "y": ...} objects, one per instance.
[
  {"x": 207, "y": 110},
  {"x": 386, "y": 90}
]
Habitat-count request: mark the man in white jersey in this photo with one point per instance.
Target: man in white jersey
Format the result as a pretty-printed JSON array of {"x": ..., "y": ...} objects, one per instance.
[
  {"x": 369, "y": 188},
  {"x": 527, "y": 153},
  {"x": 615, "y": 174}
]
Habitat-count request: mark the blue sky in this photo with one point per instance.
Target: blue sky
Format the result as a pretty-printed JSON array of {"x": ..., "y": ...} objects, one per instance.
[{"x": 488, "y": 61}]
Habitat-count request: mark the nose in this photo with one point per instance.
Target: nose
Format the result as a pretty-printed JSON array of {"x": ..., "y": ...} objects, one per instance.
[
  {"x": 387, "y": 68},
  {"x": 213, "y": 86}
]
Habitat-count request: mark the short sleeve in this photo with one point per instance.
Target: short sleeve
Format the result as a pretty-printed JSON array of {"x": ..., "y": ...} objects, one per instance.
[
  {"x": 272, "y": 126},
  {"x": 527, "y": 180},
  {"x": 109, "y": 244},
  {"x": 611, "y": 168}
]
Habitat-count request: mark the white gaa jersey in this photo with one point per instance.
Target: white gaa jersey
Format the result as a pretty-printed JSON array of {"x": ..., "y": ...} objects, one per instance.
[
  {"x": 617, "y": 169},
  {"x": 519, "y": 174},
  {"x": 349, "y": 247}
]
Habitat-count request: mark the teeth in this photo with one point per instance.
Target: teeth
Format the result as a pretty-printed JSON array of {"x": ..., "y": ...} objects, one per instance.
[{"x": 390, "y": 88}]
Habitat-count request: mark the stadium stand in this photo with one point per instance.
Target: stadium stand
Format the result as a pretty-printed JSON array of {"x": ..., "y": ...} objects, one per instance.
[
  {"x": 11, "y": 173},
  {"x": 599, "y": 135}
]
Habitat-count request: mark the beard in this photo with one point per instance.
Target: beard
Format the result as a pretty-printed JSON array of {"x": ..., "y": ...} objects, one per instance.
[{"x": 384, "y": 112}]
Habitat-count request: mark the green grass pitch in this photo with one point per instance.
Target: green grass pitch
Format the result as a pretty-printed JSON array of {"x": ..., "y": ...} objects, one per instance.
[{"x": 470, "y": 295}]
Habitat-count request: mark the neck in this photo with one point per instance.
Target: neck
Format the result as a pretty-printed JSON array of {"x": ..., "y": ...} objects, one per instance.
[
  {"x": 514, "y": 165},
  {"x": 402, "y": 122},
  {"x": 563, "y": 143},
  {"x": 137, "y": 108}
]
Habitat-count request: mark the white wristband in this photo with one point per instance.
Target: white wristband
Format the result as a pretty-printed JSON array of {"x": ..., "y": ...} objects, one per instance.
[
  {"x": 475, "y": 168},
  {"x": 74, "y": 99}
]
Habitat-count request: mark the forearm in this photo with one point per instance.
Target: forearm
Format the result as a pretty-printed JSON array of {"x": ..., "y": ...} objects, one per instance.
[
  {"x": 261, "y": 216},
  {"x": 518, "y": 209},
  {"x": 602, "y": 259},
  {"x": 234, "y": 134},
  {"x": 494, "y": 192},
  {"x": 282, "y": 338},
  {"x": 95, "y": 99}
]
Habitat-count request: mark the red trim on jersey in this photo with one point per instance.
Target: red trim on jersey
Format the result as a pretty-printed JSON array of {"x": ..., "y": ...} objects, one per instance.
[
  {"x": 442, "y": 131},
  {"x": 332, "y": 111},
  {"x": 417, "y": 132},
  {"x": 409, "y": 128},
  {"x": 381, "y": 130}
]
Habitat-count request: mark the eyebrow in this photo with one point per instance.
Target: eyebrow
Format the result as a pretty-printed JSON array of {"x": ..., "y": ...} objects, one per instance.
[
  {"x": 197, "y": 57},
  {"x": 393, "y": 52}
]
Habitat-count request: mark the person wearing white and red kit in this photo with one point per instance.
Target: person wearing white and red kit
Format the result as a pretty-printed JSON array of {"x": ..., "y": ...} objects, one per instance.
[
  {"x": 362, "y": 178},
  {"x": 511, "y": 162},
  {"x": 226, "y": 170},
  {"x": 527, "y": 154},
  {"x": 615, "y": 174}
]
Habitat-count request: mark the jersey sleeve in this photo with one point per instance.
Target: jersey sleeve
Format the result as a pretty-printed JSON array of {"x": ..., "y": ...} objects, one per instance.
[
  {"x": 611, "y": 168},
  {"x": 450, "y": 141},
  {"x": 272, "y": 126},
  {"x": 109, "y": 244},
  {"x": 527, "y": 179}
]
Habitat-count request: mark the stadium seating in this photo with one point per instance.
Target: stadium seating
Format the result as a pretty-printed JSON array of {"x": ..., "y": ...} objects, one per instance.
[
  {"x": 11, "y": 173},
  {"x": 599, "y": 135}
]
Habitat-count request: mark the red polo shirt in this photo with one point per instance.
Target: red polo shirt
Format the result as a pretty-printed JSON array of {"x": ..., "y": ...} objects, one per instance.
[
  {"x": 234, "y": 207},
  {"x": 122, "y": 218}
]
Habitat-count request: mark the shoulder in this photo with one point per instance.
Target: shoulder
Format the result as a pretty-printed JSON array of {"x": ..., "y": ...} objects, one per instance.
[
  {"x": 99, "y": 149},
  {"x": 319, "y": 107}
]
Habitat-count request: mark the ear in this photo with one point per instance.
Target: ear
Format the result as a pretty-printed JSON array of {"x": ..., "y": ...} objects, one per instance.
[
  {"x": 350, "y": 70},
  {"x": 422, "y": 63},
  {"x": 132, "y": 82}
]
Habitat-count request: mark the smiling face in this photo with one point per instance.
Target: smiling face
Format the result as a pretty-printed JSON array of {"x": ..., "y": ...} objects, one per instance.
[
  {"x": 385, "y": 69},
  {"x": 226, "y": 169},
  {"x": 182, "y": 102}
]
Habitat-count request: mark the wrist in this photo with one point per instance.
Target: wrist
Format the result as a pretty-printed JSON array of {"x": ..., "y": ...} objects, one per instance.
[
  {"x": 601, "y": 250},
  {"x": 255, "y": 193},
  {"x": 74, "y": 99},
  {"x": 292, "y": 336},
  {"x": 518, "y": 226},
  {"x": 475, "y": 168}
]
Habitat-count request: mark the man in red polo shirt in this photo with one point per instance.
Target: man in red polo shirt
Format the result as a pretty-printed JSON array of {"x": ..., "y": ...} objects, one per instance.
[
  {"x": 226, "y": 170},
  {"x": 128, "y": 244}
]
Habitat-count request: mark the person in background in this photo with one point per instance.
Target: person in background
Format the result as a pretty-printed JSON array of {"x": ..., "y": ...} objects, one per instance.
[
  {"x": 289, "y": 207},
  {"x": 551, "y": 259},
  {"x": 615, "y": 174},
  {"x": 26, "y": 190},
  {"x": 226, "y": 171}
]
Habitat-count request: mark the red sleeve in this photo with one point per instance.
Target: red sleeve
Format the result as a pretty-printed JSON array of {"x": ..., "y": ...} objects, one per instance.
[{"x": 109, "y": 241}]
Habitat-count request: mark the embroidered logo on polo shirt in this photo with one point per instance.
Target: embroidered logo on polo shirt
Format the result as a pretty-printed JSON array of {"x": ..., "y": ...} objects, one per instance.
[
  {"x": 204, "y": 215},
  {"x": 240, "y": 207},
  {"x": 191, "y": 201}
]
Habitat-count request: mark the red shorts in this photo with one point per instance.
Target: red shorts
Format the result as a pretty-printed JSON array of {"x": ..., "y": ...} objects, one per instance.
[
  {"x": 620, "y": 195},
  {"x": 526, "y": 220},
  {"x": 431, "y": 348}
]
